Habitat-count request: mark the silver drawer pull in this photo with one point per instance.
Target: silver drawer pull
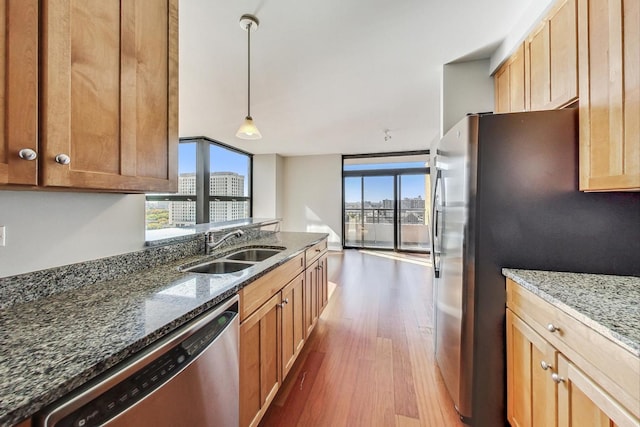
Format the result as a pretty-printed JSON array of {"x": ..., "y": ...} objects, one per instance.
[
  {"x": 544, "y": 365},
  {"x": 552, "y": 328},
  {"x": 557, "y": 378},
  {"x": 27, "y": 154}
]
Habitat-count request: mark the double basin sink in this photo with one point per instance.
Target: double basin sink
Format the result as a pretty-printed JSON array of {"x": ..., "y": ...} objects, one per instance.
[{"x": 234, "y": 262}]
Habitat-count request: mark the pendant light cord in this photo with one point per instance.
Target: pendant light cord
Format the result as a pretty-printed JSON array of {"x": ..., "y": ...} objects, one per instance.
[{"x": 249, "y": 69}]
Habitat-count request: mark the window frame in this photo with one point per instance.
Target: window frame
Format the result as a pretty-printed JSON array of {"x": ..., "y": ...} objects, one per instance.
[{"x": 202, "y": 198}]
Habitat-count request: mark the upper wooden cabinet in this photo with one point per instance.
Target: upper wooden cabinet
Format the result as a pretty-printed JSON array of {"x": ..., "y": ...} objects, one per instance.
[
  {"x": 19, "y": 91},
  {"x": 510, "y": 84},
  {"x": 609, "y": 64},
  {"x": 552, "y": 59},
  {"x": 108, "y": 94}
]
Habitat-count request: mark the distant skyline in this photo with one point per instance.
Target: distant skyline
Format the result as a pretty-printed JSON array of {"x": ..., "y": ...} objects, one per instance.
[
  {"x": 221, "y": 160},
  {"x": 377, "y": 188}
]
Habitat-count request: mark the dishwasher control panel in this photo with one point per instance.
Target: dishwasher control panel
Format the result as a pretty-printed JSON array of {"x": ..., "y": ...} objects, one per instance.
[{"x": 143, "y": 382}]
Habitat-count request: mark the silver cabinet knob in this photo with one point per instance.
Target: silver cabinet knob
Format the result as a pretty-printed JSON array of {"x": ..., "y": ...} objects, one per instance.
[
  {"x": 556, "y": 378},
  {"x": 283, "y": 303},
  {"x": 27, "y": 154},
  {"x": 552, "y": 328},
  {"x": 544, "y": 365},
  {"x": 63, "y": 159}
]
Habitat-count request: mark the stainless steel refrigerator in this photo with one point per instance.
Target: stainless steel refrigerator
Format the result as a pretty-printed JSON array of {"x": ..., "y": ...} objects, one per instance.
[{"x": 506, "y": 195}]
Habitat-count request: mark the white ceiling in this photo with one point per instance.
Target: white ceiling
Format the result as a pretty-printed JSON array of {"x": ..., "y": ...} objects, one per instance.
[{"x": 329, "y": 76}]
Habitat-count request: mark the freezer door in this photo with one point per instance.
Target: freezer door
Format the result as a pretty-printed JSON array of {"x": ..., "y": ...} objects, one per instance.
[{"x": 452, "y": 164}]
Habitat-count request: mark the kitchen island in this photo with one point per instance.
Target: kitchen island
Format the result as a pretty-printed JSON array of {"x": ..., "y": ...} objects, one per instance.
[{"x": 51, "y": 344}]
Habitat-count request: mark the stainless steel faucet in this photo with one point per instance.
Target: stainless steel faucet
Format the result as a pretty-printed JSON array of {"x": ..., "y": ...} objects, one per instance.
[{"x": 213, "y": 245}]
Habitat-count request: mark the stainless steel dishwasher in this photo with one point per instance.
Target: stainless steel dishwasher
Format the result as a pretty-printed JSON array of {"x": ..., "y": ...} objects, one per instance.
[{"x": 189, "y": 378}]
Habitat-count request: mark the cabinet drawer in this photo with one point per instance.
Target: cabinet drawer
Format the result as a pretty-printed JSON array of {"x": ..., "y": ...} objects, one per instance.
[
  {"x": 257, "y": 293},
  {"x": 611, "y": 366},
  {"x": 312, "y": 253}
]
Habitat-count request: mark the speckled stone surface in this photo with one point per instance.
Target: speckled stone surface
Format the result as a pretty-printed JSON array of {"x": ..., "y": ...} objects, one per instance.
[
  {"x": 38, "y": 284},
  {"x": 50, "y": 346},
  {"x": 607, "y": 304}
]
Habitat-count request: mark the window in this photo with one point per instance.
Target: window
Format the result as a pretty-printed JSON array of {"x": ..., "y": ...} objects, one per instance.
[
  {"x": 214, "y": 185},
  {"x": 385, "y": 201}
]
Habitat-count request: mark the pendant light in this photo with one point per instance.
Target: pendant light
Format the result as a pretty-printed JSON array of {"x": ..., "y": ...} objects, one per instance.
[{"x": 248, "y": 129}]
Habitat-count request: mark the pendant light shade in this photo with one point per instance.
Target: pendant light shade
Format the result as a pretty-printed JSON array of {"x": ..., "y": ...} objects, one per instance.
[{"x": 248, "y": 129}]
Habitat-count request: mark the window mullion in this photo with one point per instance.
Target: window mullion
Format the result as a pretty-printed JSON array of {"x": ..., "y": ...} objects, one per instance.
[{"x": 202, "y": 181}]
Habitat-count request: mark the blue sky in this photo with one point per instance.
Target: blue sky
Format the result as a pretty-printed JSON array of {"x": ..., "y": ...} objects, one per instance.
[
  {"x": 222, "y": 160},
  {"x": 376, "y": 188}
]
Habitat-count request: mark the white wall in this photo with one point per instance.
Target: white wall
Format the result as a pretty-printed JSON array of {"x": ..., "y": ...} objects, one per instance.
[
  {"x": 467, "y": 87},
  {"x": 313, "y": 196},
  {"x": 264, "y": 185},
  {"x": 49, "y": 229},
  {"x": 268, "y": 182}
]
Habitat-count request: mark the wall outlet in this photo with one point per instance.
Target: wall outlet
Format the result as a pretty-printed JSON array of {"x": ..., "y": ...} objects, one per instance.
[{"x": 3, "y": 233}]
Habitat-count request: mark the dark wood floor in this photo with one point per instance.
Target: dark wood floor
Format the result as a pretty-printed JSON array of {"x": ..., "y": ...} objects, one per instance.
[{"x": 369, "y": 361}]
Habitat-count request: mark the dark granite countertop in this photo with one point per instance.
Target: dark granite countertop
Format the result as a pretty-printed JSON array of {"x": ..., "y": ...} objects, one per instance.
[
  {"x": 607, "y": 304},
  {"x": 51, "y": 346}
]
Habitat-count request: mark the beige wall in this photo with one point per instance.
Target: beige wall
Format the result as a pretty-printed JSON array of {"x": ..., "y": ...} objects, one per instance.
[{"x": 313, "y": 196}]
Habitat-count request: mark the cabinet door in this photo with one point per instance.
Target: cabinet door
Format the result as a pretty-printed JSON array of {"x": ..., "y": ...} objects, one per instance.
[
  {"x": 311, "y": 297},
  {"x": 19, "y": 90},
  {"x": 509, "y": 84},
  {"x": 609, "y": 31},
  {"x": 517, "y": 100},
  {"x": 260, "y": 346},
  {"x": 109, "y": 94},
  {"x": 582, "y": 403},
  {"x": 323, "y": 283},
  {"x": 501, "y": 82},
  {"x": 293, "y": 330},
  {"x": 563, "y": 55},
  {"x": 539, "y": 75},
  {"x": 531, "y": 393}
]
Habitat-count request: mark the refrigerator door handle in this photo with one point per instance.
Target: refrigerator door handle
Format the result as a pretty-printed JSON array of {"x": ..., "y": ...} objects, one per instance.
[{"x": 436, "y": 223}]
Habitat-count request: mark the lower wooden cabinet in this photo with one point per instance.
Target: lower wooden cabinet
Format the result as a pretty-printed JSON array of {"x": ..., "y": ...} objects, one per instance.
[
  {"x": 278, "y": 311},
  {"x": 316, "y": 292},
  {"x": 531, "y": 396},
  {"x": 582, "y": 402},
  {"x": 551, "y": 376},
  {"x": 293, "y": 331},
  {"x": 260, "y": 373}
]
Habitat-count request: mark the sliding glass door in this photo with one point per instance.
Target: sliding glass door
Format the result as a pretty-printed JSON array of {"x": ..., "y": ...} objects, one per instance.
[
  {"x": 385, "y": 208},
  {"x": 413, "y": 221}
]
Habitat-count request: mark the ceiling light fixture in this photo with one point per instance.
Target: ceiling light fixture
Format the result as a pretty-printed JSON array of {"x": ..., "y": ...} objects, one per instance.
[{"x": 248, "y": 129}]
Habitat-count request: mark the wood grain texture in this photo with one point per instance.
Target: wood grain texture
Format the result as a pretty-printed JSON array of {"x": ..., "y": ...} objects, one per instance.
[
  {"x": 563, "y": 54},
  {"x": 258, "y": 292},
  {"x": 293, "y": 331},
  {"x": 531, "y": 393},
  {"x": 539, "y": 81},
  {"x": 501, "y": 89},
  {"x": 609, "y": 64},
  {"x": 586, "y": 348},
  {"x": 19, "y": 90},
  {"x": 109, "y": 94},
  {"x": 517, "y": 97},
  {"x": 370, "y": 359},
  {"x": 260, "y": 355},
  {"x": 583, "y": 403}
]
